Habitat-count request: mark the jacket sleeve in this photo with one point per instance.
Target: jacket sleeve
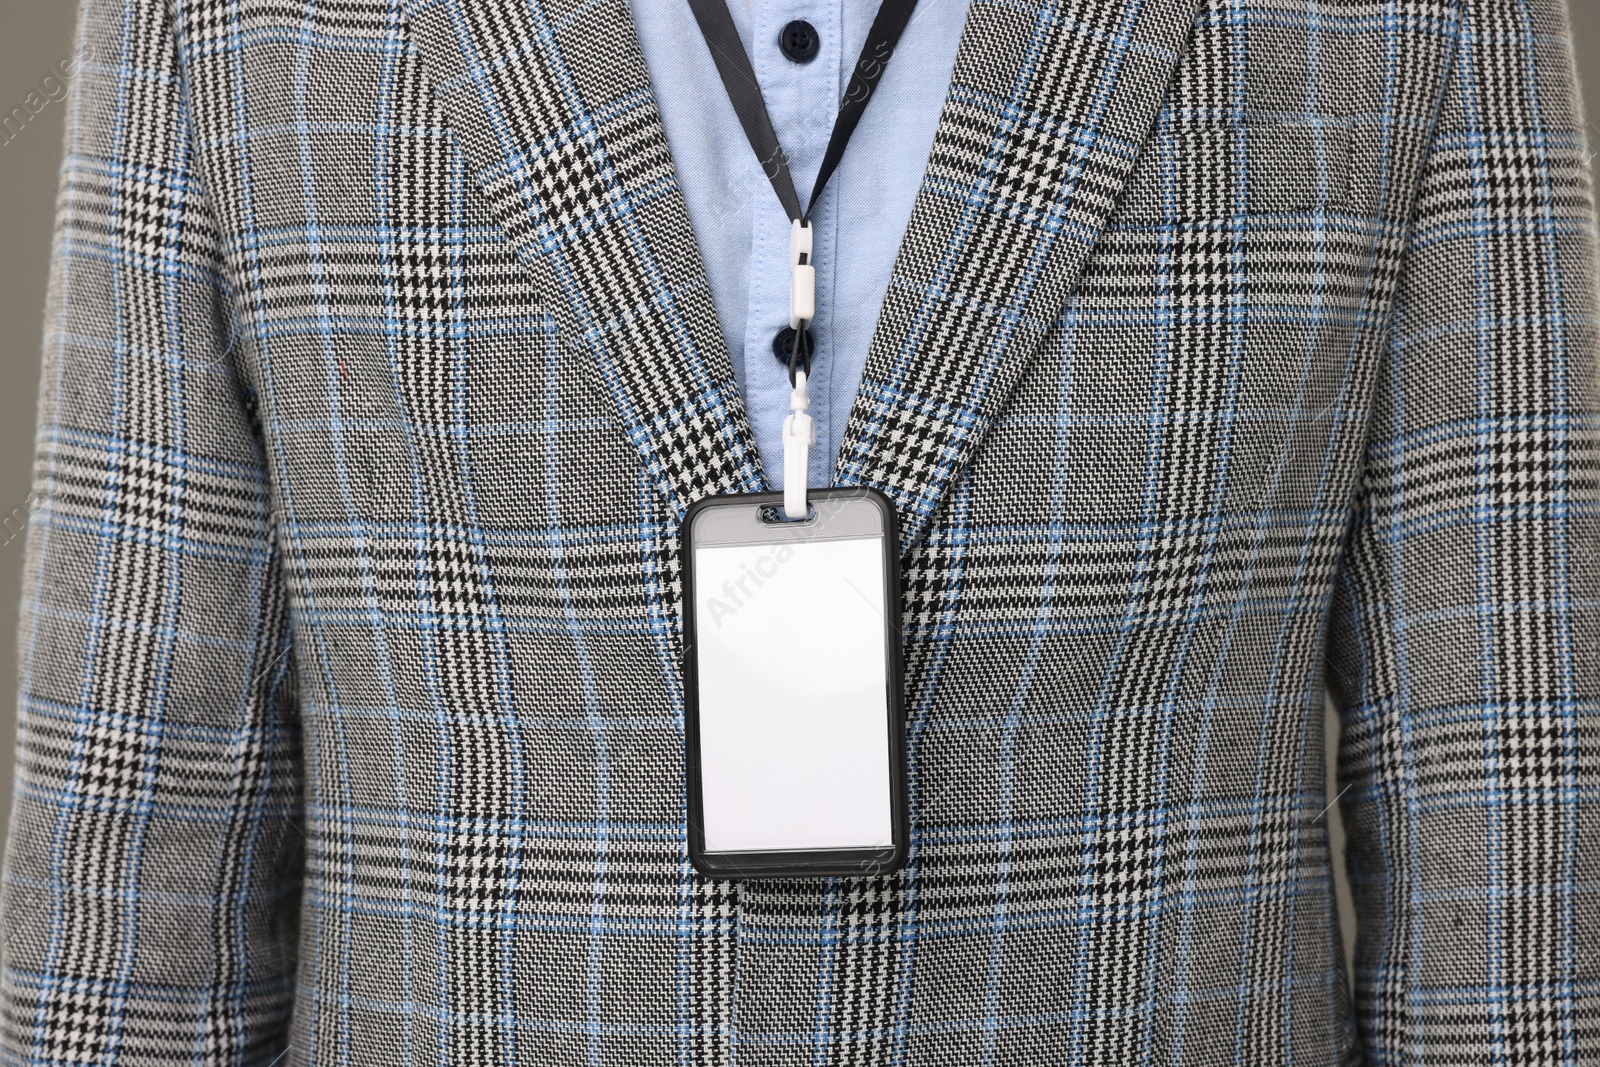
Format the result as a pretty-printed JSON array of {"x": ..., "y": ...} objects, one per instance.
[
  {"x": 1463, "y": 649},
  {"x": 150, "y": 880}
]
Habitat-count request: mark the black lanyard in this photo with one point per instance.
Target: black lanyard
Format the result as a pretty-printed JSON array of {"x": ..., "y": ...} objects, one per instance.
[{"x": 739, "y": 78}]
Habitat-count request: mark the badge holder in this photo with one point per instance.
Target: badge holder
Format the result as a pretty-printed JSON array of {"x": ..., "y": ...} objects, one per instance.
[
  {"x": 793, "y": 725},
  {"x": 793, "y": 728}
]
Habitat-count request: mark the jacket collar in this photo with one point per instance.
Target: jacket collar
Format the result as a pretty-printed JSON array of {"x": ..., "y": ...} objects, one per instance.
[
  {"x": 1048, "y": 108},
  {"x": 552, "y": 105},
  {"x": 1045, "y": 115}
]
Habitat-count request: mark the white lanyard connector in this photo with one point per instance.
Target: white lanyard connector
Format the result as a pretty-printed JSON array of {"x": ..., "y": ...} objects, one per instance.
[
  {"x": 802, "y": 276},
  {"x": 799, "y": 434},
  {"x": 799, "y": 429}
]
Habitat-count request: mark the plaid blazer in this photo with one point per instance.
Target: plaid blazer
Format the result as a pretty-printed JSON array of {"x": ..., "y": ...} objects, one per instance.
[{"x": 1237, "y": 351}]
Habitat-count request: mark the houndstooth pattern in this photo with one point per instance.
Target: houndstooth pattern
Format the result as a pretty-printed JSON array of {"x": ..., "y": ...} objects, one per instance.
[{"x": 1237, "y": 352}]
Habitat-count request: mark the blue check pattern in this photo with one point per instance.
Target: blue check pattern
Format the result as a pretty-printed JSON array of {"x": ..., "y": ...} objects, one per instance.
[{"x": 1237, "y": 354}]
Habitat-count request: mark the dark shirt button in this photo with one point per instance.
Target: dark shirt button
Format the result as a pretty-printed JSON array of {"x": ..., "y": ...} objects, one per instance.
[
  {"x": 783, "y": 344},
  {"x": 799, "y": 41}
]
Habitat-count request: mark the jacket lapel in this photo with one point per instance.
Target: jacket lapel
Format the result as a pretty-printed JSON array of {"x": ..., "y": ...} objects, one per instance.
[
  {"x": 1045, "y": 116},
  {"x": 1046, "y": 113},
  {"x": 552, "y": 104}
]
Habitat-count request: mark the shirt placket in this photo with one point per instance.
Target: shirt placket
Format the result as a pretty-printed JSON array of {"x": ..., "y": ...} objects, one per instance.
[{"x": 802, "y": 100}]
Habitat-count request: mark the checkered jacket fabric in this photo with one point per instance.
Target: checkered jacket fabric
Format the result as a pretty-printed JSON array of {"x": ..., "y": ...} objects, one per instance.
[{"x": 1237, "y": 352}]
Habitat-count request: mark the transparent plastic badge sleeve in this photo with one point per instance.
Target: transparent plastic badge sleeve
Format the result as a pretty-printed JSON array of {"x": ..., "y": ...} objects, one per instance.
[{"x": 794, "y": 731}]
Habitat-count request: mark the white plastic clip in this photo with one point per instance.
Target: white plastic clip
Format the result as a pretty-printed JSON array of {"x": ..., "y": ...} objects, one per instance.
[
  {"x": 799, "y": 434},
  {"x": 802, "y": 277},
  {"x": 799, "y": 430}
]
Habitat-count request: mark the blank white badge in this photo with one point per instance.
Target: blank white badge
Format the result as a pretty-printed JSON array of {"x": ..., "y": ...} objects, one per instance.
[{"x": 793, "y": 696}]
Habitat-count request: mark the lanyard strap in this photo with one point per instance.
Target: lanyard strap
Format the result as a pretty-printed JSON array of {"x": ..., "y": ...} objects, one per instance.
[{"x": 739, "y": 78}]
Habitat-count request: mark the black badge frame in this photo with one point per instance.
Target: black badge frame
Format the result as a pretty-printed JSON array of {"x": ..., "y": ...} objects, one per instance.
[{"x": 814, "y": 863}]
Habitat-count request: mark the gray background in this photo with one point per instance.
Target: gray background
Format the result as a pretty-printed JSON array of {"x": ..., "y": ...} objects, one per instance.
[{"x": 38, "y": 35}]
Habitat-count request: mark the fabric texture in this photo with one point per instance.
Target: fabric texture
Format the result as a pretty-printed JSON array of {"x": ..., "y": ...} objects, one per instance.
[
  {"x": 1234, "y": 353},
  {"x": 740, "y": 226}
]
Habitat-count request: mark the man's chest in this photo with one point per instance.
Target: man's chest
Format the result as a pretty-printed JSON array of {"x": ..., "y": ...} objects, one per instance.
[{"x": 1125, "y": 335}]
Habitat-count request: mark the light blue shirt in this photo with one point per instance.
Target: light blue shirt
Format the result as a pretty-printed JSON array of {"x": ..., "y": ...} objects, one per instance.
[{"x": 741, "y": 227}]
